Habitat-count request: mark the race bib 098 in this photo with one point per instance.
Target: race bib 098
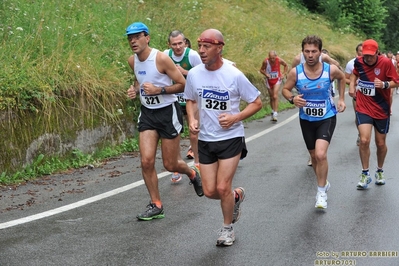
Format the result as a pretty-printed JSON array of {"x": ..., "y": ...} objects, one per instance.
[{"x": 316, "y": 108}]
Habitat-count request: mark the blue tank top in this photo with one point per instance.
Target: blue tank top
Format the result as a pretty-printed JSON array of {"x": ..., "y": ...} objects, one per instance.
[{"x": 317, "y": 93}]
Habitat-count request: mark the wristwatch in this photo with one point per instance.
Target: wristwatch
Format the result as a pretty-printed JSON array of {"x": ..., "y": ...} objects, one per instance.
[
  {"x": 386, "y": 85},
  {"x": 291, "y": 100},
  {"x": 163, "y": 91}
]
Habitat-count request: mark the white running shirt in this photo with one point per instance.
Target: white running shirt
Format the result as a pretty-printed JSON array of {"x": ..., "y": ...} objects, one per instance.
[
  {"x": 218, "y": 92},
  {"x": 349, "y": 66}
]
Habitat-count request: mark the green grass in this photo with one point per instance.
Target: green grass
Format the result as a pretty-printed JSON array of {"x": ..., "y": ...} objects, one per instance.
[
  {"x": 53, "y": 47},
  {"x": 53, "y": 50},
  {"x": 47, "y": 165}
]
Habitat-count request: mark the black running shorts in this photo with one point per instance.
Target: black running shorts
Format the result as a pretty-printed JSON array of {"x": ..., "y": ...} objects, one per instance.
[
  {"x": 167, "y": 121},
  {"x": 210, "y": 152},
  {"x": 313, "y": 130}
]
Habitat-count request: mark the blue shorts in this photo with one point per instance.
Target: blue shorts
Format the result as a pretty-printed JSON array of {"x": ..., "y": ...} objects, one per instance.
[{"x": 382, "y": 125}]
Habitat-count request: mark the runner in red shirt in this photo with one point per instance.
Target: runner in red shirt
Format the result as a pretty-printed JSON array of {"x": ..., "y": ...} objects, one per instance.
[
  {"x": 375, "y": 76},
  {"x": 271, "y": 70}
]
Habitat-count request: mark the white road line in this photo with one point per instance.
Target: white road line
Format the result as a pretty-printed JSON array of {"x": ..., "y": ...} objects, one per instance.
[
  {"x": 118, "y": 190},
  {"x": 271, "y": 129}
]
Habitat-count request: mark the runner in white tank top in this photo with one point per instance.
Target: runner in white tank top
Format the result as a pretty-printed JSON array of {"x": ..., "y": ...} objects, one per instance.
[{"x": 160, "y": 116}]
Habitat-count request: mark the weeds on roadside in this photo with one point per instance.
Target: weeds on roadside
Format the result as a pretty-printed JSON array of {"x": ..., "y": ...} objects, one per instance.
[{"x": 43, "y": 165}]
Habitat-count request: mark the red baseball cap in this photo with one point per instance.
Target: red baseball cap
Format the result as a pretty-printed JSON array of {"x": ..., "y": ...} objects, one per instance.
[{"x": 370, "y": 47}]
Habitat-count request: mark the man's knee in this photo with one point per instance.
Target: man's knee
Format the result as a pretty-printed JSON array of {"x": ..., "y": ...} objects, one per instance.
[
  {"x": 147, "y": 163},
  {"x": 170, "y": 163},
  {"x": 380, "y": 144},
  {"x": 210, "y": 193},
  {"x": 365, "y": 142},
  {"x": 320, "y": 156},
  {"x": 224, "y": 190}
]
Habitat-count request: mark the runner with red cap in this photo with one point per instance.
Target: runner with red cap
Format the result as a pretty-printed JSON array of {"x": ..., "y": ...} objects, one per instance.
[{"x": 370, "y": 82}]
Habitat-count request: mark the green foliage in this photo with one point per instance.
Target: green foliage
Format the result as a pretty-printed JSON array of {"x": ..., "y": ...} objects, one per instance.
[
  {"x": 391, "y": 31},
  {"x": 339, "y": 20},
  {"x": 297, "y": 5},
  {"x": 53, "y": 46},
  {"x": 53, "y": 49},
  {"x": 130, "y": 145},
  {"x": 364, "y": 16},
  {"x": 312, "y": 5},
  {"x": 46, "y": 165},
  {"x": 368, "y": 16}
]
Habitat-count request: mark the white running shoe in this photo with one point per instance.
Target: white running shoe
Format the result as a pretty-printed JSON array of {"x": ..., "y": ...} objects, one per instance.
[
  {"x": 379, "y": 178},
  {"x": 321, "y": 198},
  {"x": 364, "y": 182},
  {"x": 226, "y": 237}
]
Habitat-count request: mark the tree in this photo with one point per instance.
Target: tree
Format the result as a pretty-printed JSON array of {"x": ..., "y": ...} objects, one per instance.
[
  {"x": 368, "y": 16},
  {"x": 391, "y": 31},
  {"x": 373, "y": 19}
]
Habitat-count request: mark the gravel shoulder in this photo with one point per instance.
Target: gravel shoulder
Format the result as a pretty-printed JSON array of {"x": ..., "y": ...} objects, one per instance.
[{"x": 76, "y": 184}]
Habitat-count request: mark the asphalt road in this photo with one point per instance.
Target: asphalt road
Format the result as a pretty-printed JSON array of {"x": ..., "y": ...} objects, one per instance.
[{"x": 88, "y": 217}]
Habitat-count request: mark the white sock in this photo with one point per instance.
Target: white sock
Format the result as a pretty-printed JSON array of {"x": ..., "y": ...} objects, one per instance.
[{"x": 322, "y": 189}]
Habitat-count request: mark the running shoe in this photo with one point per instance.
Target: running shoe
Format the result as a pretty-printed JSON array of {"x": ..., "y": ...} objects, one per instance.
[
  {"x": 226, "y": 237},
  {"x": 321, "y": 198},
  {"x": 310, "y": 161},
  {"x": 379, "y": 178},
  {"x": 176, "y": 177},
  {"x": 237, "y": 210},
  {"x": 190, "y": 153},
  {"x": 364, "y": 182},
  {"x": 152, "y": 212},
  {"x": 274, "y": 117},
  {"x": 197, "y": 183}
]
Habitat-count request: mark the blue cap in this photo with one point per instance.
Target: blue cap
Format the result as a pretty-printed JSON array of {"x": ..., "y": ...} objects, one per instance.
[{"x": 137, "y": 27}]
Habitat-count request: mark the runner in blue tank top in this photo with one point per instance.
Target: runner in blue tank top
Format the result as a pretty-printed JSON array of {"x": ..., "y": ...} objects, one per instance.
[
  {"x": 317, "y": 111},
  {"x": 319, "y": 100}
]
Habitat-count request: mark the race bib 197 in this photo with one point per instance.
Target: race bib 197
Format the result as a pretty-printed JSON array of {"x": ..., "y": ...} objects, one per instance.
[{"x": 366, "y": 87}]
